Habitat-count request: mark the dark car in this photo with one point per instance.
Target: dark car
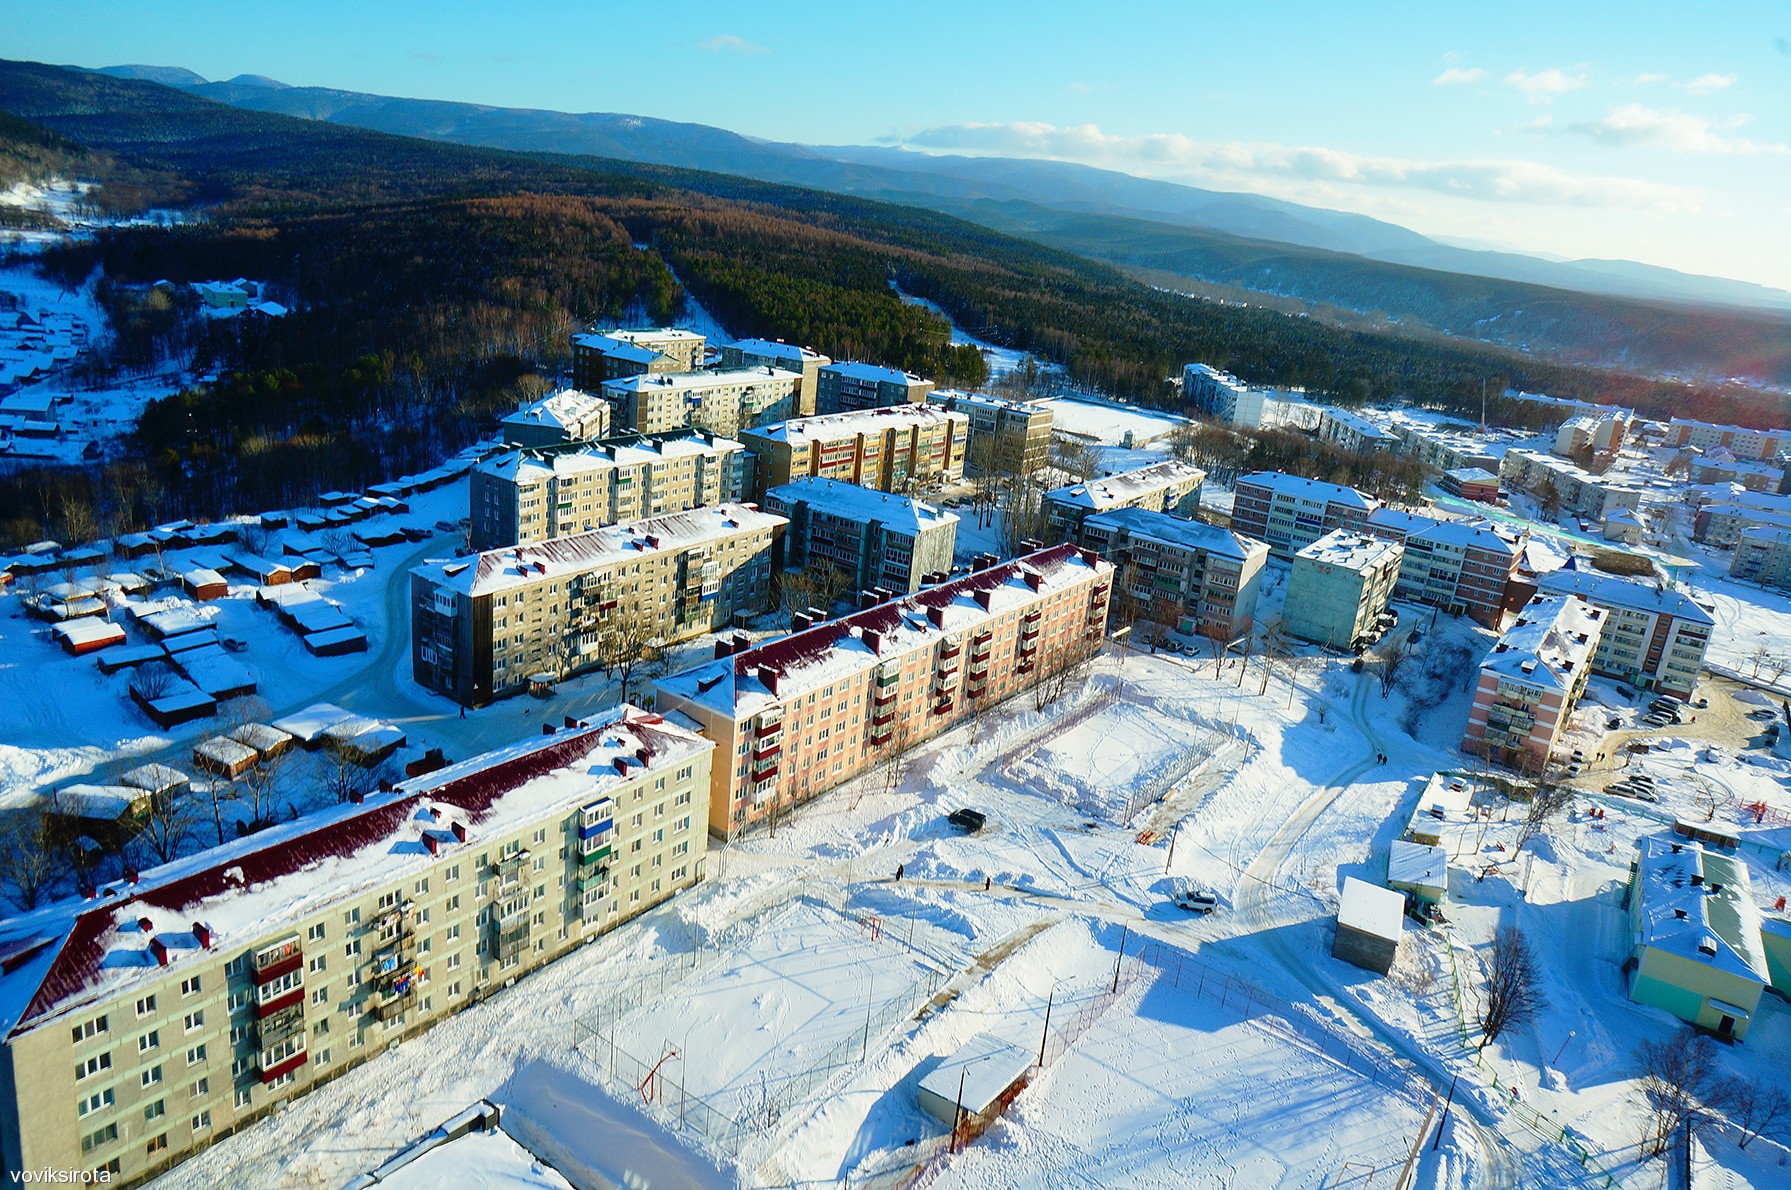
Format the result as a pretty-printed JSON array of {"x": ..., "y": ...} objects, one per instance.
[{"x": 968, "y": 821}]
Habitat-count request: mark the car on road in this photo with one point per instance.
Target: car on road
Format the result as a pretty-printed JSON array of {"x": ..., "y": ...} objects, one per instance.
[{"x": 1193, "y": 896}]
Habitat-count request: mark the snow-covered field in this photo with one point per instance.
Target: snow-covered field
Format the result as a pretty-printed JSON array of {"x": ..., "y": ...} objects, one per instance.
[{"x": 1109, "y": 424}]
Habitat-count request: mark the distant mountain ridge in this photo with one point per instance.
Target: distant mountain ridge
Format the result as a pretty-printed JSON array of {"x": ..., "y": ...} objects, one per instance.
[{"x": 921, "y": 179}]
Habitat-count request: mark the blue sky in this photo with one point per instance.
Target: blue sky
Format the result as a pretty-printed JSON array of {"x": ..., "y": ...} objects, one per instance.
[{"x": 1646, "y": 131}]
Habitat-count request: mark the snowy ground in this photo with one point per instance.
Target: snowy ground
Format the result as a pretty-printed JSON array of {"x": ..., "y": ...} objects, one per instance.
[{"x": 1109, "y": 423}]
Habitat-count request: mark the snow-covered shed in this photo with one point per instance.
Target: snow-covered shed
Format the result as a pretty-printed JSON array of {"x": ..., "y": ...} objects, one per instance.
[
  {"x": 157, "y": 780},
  {"x": 1369, "y": 921},
  {"x": 87, "y": 634},
  {"x": 1421, "y": 869},
  {"x": 224, "y": 756},
  {"x": 977, "y": 1077}
]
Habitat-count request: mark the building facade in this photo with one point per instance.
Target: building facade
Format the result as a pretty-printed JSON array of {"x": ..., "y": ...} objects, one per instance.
[
  {"x": 1290, "y": 512},
  {"x": 1168, "y": 486},
  {"x": 1222, "y": 397},
  {"x": 1006, "y": 437},
  {"x": 487, "y": 625},
  {"x": 615, "y": 354},
  {"x": 525, "y": 496},
  {"x": 899, "y": 449},
  {"x": 1721, "y": 523},
  {"x": 1531, "y": 681},
  {"x": 569, "y": 415},
  {"x": 1695, "y": 935},
  {"x": 797, "y": 715},
  {"x": 785, "y": 357},
  {"x": 1740, "y": 441},
  {"x": 845, "y": 386},
  {"x": 1763, "y": 555},
  {"x": 719, "y": 402},
  {"x": 166, "y": 1013},
  {"x": 874, "y": 538},
  {"x": 1653, "y": 638},
  {"x": 1467, "y": 568},
  {"x": 1339, "y": 587},
  {"x": 1208, "y": 575},
  {"x": 1577, "y": 490},
  {"x": 1354, "y": 432}
]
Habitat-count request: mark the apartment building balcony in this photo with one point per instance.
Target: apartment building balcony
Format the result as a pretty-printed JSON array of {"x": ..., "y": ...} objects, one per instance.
[
  {"x": 284, "y": 1067},
  {"x": 286, "y": 1022},
  {"x": 386, "y": 1005},
  {"x": 271, "y": 962}
]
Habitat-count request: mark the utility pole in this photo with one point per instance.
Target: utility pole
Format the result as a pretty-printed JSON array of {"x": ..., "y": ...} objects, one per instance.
[
  {"x": 1120, "y": 957},
  {"x": 1045, "y": 1034},
  {"x": 1442, "y": 1123},
  {"x": 957, "y": 1114}
]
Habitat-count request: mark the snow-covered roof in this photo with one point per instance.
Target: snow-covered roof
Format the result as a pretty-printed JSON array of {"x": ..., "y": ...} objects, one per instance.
[
  {"x": 1371, "y": 909},
  {"x": 101, "y": 802},
  {"x": 1472, "y": 475},
  {"x": 1300, "y": 488},
  {"x": 1447, "y": 798},
  {"x": 1698, "y": 905},
  {"x": 1167, "y": 529},
  {"x": 1358, "y": 423},
  {"x": 1470, "y": 534},
  {"x": 1100, "y": 494},
  {"x": 602, "y": 454},
  {"x": 566, "y": 408},
  {"x": 829, "y": 427},
  {"x": 1606, "y": 590},
  {"x": 872, "y": 373},
  {"x": 88, "y": 630},
  {"x": 836, "y": 649},
  {"x": 1549, "y": 644},
  {"x": 778, "y": 349},
  {"x": 516, "y": 566},
  {"x": 691, "y": 382},
  {"x": 977, "y": 1073},
  {"x": 71, "y": 953},
  {"x": 1351, "y": 550},
  {"x": 1421, "y": 865},
  {"x": 958, "y": 397},
  {"x": 852, "y": 502}
]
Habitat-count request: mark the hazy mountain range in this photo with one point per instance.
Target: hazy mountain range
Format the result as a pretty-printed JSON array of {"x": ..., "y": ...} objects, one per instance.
[{"x": 970, "y": 187}]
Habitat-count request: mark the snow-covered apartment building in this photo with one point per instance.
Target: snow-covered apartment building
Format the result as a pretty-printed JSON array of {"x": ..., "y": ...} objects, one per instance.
[
  {"x": 614, "y": 354},
  {"x": 1578, "y": 490},
  {"x": 1740, "y": 441},
  {"x": 1222, "y": 396},
  {"x": 895, "y": 449},
  {"x": 487, "y": 625},
  {"x": 846, "y": 386},
  {"x": 1339, "y": 586},
  {"x": 1169, "y": 486},
  {"x": 1763, "y": 555},
  {"x": 1354, "y": 432},
  {"x": 875, "y": 539},
  {"x": 786, "y": 357},
  {"x": 1467, "y": 568},
  {"x": 795, "y": 716},
  {"x": 176, "y": 1007},
  {"x": 1720, "y": 522},
  {"x": 1653, "y": 638},
  {"x": 568, "y": 415},
  {"x": 720, "y": 402},
  {"x": 524, "y": 496},
  {"x": 1207, "y": 574},
  {"x": 1291, "y": 512},
  {"x": 1006, "y": 437},
  {"x": 1531, "y": 681}
]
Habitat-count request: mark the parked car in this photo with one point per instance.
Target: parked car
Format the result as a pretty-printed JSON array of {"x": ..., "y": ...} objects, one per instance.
[
  {"x": 1193, "y": 896},
  {"x": 967, "y": 820}
]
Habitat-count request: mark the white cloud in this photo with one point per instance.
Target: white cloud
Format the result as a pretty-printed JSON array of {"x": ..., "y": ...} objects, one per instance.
[
  {"x": 1456, "y": 75},
  {"x": 728, "y": 43},
  {"x": 1706, "y": 83},
  {"x": 1176, "y": 155},
  {"x": 1634, "y": 126},
  {"x": 1648, "y": 80},
  {"x": 1545, "y": 85}
]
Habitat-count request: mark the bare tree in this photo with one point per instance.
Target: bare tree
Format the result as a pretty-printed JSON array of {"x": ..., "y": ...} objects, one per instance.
[
  {"x": 1547, "y": 803},
  {"x": 29, "y": 863},
  {"x": 341, "y": 774},
  {"x": 1760, "y": 656},
  {"x": 260, "y": 788},
  {"x": 168, "y": 824},
  {"x": 1775, "y": 666},
  {"x": 1074, "y": 457},
  {"x": 1513, "y": 994},
  {"x": 1676, "y": 1083},
  {"x": 218, "y": 795},
  {"x": 1754, "y": 1108},
  {"x": 630, "y": 639},
  {"x": 1022, "y": 519},
  {"x": 1393, "y": 654},
  {"x": 153, "y": 680}
]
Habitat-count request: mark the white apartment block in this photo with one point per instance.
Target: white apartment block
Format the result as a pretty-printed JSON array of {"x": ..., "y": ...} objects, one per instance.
[
  {"x": 1006, "y": 437},
  {"x": 1222, "y": 397},
  {"x": 173, "y": 1009},
  {"x": 1653, "y": 638},
  {"x": 1339, "y": 588},
  {"x": 489, "y": 625},
  {"x": 1763, "y": 555},
  {"x": 1206, "y": 575},
  {"x": 614, "y": 354},
  {"x": 721, "y": 402},
  {"x": 1169, "y": 486},
  {"x": 1721, "y": 521},
  {"x": 895, "y": 449},
  {"x": 1354, "y": 432},
  {"x": 875, "y": 539},
  {"x": 786, "y": 357},
  {"x": 524, "y": 496},
  {"x": 568, "y": 415},
  {"x": 1532, "y": 680},
  {"x": 1291, "y": 512},
  {"x": 1740, "y": 441},
  {"x": 1578, "y": 490},
  {"x": 847, "y": 386}
]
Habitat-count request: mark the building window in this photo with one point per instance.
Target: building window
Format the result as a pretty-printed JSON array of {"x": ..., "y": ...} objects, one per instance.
[
  {"x": 89, "y": 1029},
  {"x": 321, "y": 962},
  {"x": 202, "y": 1121},
  {"x": 145, "y": 1005},
  {"x": 189, "y": 987},
  {"x": 156, "y": 1144},
  {"x": 195, "y": 1055},
  {"x": 244, "y": 1096},
  {"x": 195, "y": 1020},
  {"x": 152, "y": 1076},
  {"x": 104, "y": 1136},
  {"x": 200, "y": 1089},
  {"x": 155, "y": 1111},
  {"x": 98, "y": 1101},
  {"x": 149, "y": 1041},
  {"x": 320, "y": 995},
  {"x": 315, "y": 933}
]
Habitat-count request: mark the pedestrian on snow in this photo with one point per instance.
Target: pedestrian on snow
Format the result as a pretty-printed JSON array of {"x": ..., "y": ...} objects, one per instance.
[
  {"x": 987, "y": 881},
  {"x": 463, "y": 712},
  {"x": 899, "y": 869}
]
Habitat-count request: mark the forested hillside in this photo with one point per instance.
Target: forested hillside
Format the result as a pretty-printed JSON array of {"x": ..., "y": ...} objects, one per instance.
[{"x": 436, "y": 284}]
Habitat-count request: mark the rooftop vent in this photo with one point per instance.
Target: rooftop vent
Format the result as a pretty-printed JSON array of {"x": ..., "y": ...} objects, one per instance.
[{"x": 1679, "y": 913}]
